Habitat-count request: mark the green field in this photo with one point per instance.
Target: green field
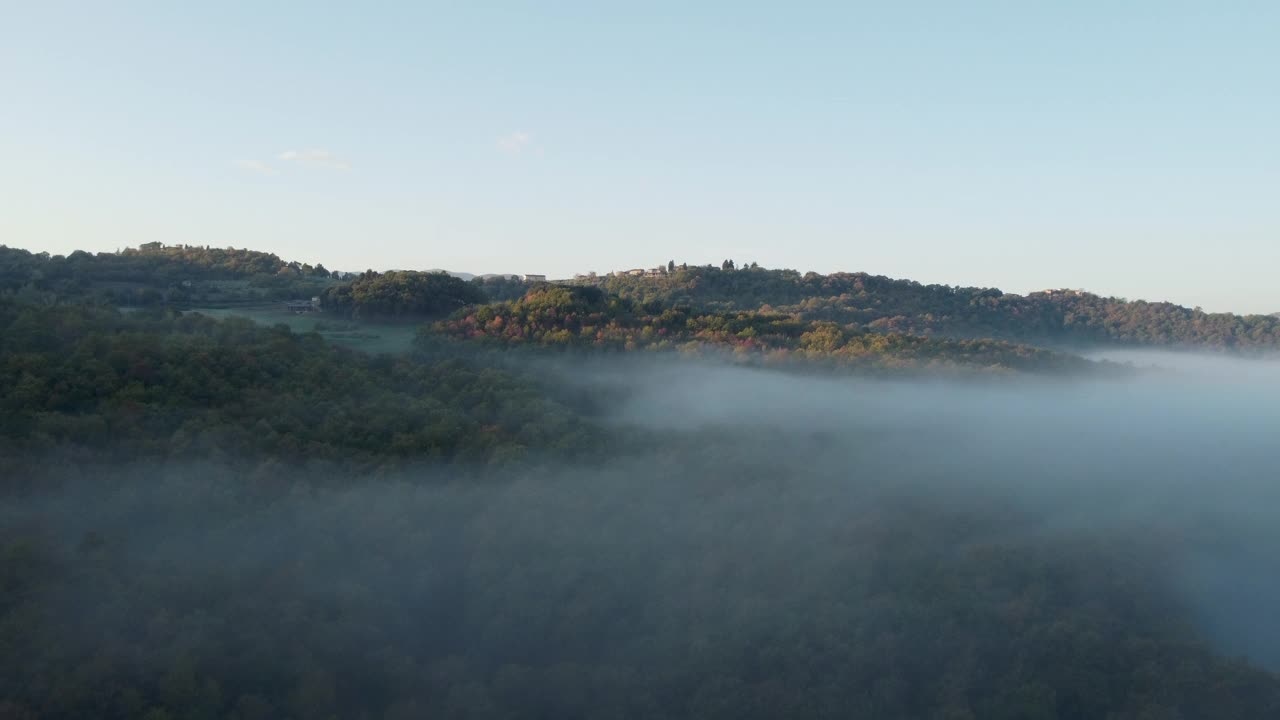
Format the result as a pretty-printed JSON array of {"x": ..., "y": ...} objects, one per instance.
[{"x": 376, "y": 338}]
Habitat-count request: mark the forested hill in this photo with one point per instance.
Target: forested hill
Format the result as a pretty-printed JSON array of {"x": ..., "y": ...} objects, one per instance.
[
  {"x": 873, "y": 302},
  {"x": 586, "y": 318},
  {"x": 219, "y": 519},
  {"x": 401, "y": 294},
  {"x": 192, "y": 276},
  {"x": 159, "y": 384},
  {"x": 156, "y": 274}
]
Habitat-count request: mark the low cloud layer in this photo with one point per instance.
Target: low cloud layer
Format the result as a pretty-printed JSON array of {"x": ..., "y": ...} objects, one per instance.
[
  {"x": 1184, "y": 453},
  {"x": 750, "y": 512}
]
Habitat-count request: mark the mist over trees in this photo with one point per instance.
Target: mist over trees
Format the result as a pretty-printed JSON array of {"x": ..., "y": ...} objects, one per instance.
[
  {"x": 639, "y": 497},
  {"x": 855, "y": 552}
]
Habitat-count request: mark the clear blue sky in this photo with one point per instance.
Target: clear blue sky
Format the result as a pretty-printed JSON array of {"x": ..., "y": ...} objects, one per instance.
[{"x": 1131, "y": 148}]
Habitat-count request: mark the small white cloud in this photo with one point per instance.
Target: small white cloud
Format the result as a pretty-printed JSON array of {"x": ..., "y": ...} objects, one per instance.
[
  {"x": 256, "y": 166},
  {"x": 314, "y": 159},
  {"x": 515, "y": 143}
]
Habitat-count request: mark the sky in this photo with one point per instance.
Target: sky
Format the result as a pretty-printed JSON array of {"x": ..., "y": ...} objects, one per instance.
[{"x": 1127, "y": 148}]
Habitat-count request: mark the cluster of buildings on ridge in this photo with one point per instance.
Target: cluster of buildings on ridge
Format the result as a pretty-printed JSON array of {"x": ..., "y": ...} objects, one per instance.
[{"x": 635, "y": 272}]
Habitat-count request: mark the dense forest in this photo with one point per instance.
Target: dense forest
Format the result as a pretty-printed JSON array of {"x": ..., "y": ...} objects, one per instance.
[
  {"x": 585, "y": 318},
  {"x": 205, "y": 518},
  {"x": 695, "y": 586},
  {"x": 400, "y": 295},
  {"x": 183, "y": 276},
  {"x": 163, "y": 384},
  {"x": 1061, "y": 317},
  {"x": 155, "y": 275}
]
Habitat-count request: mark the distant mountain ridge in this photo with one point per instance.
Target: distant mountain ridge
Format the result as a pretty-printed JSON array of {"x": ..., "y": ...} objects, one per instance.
[
  {"x": 459, "y": 275},
  {"x": 472, "y": 276}
]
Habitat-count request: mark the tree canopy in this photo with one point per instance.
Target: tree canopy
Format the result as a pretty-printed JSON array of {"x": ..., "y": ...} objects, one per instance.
[
  {"x": 206, "y": 518},
  {"x": 153, "y": 275},
  {"x": 875, "y": 302},
  {"x": 584, "y": 317},
  {"x": 183, "y": 385},
  {"x": 400, "y": 295}
]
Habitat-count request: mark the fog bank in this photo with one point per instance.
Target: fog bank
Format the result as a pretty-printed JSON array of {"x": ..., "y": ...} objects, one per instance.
[{"x": 830, "y": 533}]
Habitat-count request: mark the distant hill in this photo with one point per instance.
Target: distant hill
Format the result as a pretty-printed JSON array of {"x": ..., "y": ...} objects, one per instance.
[
  {"x": 401, "y": 295},
  {"x": 857, "y": 302},
  {"x": 472, "y": 276},
  {"x": 459, "y": 275},
  {"x": 1055, "y": 318},
  {"x": 156, "y": 274},
  {"x": 586, "y": 318}
]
